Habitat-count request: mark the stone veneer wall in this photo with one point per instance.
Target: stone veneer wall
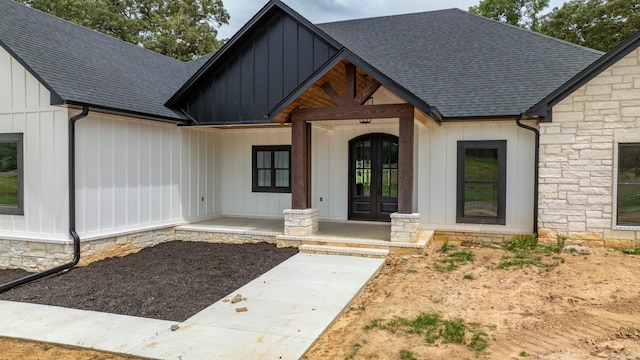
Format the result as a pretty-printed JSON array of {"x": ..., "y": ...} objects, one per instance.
[
  {"x": 471, "y": 238},
  {"x": 578, "y": 158},
  {"x": 38, "y": 256},
  {"x": 404, "y": 227}
]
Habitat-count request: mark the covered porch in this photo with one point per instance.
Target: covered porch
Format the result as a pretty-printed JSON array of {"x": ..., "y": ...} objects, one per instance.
[{"x": 341, "y": 93}]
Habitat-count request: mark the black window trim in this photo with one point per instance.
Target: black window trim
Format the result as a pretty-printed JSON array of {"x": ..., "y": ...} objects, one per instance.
[
  {"x": 617, "y": 184},
  {"x": 6, "y": 209},
  {"x": 501, "y": 146},
  {"x": 254, "y": 171}
]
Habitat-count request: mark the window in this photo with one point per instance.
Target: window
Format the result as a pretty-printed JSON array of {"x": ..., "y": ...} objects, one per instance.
[
  {"x": 481, "y": 189},
  {"x": 628, "y": 184},
  {"x": 272, "y": 168},
  {"x": 11, "y": 174}
]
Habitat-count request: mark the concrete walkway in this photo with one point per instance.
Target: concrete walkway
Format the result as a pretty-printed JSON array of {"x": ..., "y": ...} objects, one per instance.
[{"x": 287, "y": 308}]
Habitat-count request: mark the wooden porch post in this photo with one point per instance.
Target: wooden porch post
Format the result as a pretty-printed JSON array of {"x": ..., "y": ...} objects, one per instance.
[
  {"x": 300, "y": 165},
  {"x": 405, "y": 166}
]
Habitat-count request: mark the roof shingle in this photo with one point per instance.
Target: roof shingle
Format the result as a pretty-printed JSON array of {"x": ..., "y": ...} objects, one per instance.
[
  {"x": 464, "y": 64},
  {"x": 87, "y": 67}
]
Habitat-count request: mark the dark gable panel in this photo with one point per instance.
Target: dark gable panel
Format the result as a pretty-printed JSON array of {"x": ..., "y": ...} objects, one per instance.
[
  {"x": 305, "y": 53},
  {"x": 290, "y": 50},
  {"x": 261, "y": 79},
  {"x": 320, "y": 52},
  {"x": 276, "y": 63},
  {"x": 247, "y": 101},
  {"x": 220, "y": 112},
  {"x": 270, "y": 62},
  {"x": 233, "y": 108}
]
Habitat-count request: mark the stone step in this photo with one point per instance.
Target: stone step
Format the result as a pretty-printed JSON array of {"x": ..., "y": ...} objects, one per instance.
[
  {"x": 343, "y": 250},
  {"x": 416, "y": 248}
]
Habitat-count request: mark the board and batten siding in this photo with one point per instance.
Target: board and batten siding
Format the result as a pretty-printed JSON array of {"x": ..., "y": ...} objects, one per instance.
[
  {"x": 437, "y": 174},
  {"x": 25, "y": 108},
  {"x": 238, "y": 198},
  {"x": 132, "y": 174}
]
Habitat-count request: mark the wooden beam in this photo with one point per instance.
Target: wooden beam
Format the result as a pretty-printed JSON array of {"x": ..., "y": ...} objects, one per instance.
[
  {"x": 366, "y": 92},
  {"x": 299, "y": 166},
  {"x": 333, "y": 94},
  {"x": 350, "y": 82},
  {"x": 353, "y": 112},
  {"x": 405, "y": 166}
]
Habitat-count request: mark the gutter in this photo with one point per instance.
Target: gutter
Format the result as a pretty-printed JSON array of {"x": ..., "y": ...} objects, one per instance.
[
  {"x": 72, "y": 212},
  {"x": 536, "y": 171}
]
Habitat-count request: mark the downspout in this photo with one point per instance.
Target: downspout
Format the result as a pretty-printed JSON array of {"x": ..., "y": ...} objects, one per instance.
[
  {"x": 72, "y": 212},
  {"x": 536, "y": 171}
]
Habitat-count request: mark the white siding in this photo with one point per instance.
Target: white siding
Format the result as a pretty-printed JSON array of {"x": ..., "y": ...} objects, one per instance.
[
  {"x": 133, "y": 173},
  {"x": 238, "y": 198},
  {"x": 437, "y": 173},
  {"x": 24, "y": 108}
]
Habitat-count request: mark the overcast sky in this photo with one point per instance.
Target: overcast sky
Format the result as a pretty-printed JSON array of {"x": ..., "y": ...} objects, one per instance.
[{"x": 320, "y": 11}]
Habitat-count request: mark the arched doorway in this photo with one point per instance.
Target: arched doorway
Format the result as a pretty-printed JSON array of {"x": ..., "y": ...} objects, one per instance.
[{"x": 373, "y": 177}]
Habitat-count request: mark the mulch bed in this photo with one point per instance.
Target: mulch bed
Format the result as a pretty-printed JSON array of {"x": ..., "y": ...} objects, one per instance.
[{"x": 171, "y": 281}]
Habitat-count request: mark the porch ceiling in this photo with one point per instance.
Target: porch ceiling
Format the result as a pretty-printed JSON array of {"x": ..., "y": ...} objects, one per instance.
[{"x": 315, "y": 97}]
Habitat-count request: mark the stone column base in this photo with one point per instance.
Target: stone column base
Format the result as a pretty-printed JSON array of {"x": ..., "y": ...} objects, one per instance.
[
  {"x": 300, "y": 222},
  {"x": 404, "y": 227}
]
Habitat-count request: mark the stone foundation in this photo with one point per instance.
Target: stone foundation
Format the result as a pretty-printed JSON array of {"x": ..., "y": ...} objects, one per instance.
[
  {"x": 607, "y": 238},
  {"x": 465, "y": 238},
  {"x": 300, "y": 222},
  {"x": 36, "y": 256},
  {"x": 405, "y": 227}
]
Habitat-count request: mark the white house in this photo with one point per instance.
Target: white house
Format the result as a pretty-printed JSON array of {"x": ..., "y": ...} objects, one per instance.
[{"x": 410, "y": 119}]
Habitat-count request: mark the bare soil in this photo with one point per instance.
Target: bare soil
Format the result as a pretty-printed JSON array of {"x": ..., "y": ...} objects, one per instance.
[
  {"x": 585, "y": 308},
  {"x": 588, "y": 307}
]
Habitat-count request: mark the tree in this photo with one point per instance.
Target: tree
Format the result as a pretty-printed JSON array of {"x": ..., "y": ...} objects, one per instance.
[
  {"x": 598, "y": 24},
  {"x": 182, "y": 29},
  {"x": 523, "y": 13}
]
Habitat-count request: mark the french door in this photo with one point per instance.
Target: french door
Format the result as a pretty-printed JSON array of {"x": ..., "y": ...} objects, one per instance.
[{"x": 373, "y": 177}]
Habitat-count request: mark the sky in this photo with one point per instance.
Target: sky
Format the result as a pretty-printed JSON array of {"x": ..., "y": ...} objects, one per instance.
[{"x": 320, "y": 11}]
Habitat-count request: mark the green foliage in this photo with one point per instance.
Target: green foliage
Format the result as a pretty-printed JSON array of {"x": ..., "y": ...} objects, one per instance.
[
  {"x": 525, "y": 251},
  {"x": 412, "y": 271},
  {"x": 522, "y": 242},
  {"x": 478, "y": 341},
  {"x": 182, "y": 29},
  {"x": 598, "y": 24},
  {"x": 468, "y": 277},
  {"x": 407, "y": 355},
  {"x": 436, "y": 330},
  {"x": 8, "y": 190},
  {"x": 354, "y": 350},
  {"x": 523, "y": 353},
  {"x": 454, "y": 260},
  {"x": 445, "y": 246},
  {"x": 8, "y": 156},
  {"x": 631, "y": 251},
  {"x": 523, "y": 13}
]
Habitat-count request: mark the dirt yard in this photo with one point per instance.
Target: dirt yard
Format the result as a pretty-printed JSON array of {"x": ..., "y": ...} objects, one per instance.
[{"x": 586, "y": 307}]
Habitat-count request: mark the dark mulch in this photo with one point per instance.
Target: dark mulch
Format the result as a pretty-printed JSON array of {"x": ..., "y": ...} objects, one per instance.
[{"x": 171, "y": 281}]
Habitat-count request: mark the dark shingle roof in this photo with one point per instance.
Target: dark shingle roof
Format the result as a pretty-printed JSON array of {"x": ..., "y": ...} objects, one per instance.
[
  {"x": 86, "y": 67},
  {"x": 464, "y": 64},
  {"x": 543, "y": 107}
]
